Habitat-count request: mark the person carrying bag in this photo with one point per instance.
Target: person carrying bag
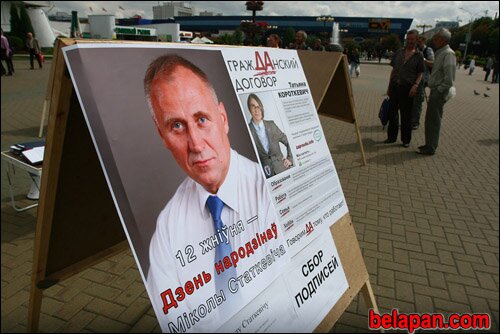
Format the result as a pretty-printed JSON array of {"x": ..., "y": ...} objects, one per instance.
[{"x": 33, "y": 49}]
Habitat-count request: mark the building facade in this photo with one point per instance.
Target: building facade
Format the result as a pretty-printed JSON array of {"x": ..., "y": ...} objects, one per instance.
[
  {"x": 356, "y": 28},
  {"x": 172, "y": 9}
]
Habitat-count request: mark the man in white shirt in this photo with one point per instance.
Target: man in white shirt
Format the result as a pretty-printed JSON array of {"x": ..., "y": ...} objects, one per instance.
[
  {"x": 267, "y": 137},
  {"x": 217, "y": 242},
  {"x": 441, "y": 85}
]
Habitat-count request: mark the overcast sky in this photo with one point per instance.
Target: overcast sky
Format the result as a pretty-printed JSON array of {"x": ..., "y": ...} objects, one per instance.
[{"x": 423, "y": 12}]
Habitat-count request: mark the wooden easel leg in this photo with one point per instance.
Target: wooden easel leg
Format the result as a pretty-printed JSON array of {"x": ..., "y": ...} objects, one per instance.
[
  {"x": 35, "y": 306},
  {"x": 42, "y": 121},
  {"x": 369, "y": 296},
  {"x": 360, "y": 143}
]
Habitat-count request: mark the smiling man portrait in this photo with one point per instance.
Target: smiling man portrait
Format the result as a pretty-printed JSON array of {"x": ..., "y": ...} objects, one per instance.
[{"x": 222, "y": 188}]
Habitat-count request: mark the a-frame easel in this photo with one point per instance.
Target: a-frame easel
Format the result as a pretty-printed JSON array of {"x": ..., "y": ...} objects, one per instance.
[
  {"x": 328, "y": 76},
  {"x": 77, "y": 224}
]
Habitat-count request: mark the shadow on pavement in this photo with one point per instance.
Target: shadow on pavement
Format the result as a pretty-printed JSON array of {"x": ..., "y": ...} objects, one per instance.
[
  {"x": 488, "y": 142},
  {"x": 26, "y": 132}
]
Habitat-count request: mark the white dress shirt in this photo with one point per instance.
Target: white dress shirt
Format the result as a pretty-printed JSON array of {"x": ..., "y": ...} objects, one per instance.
[
  {"x": 261, "y": 133},
  {"x": 186, "y": 221}
]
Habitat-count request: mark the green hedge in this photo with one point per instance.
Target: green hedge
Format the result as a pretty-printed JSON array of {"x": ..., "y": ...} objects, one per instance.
[{"x": 16, "y": 43}]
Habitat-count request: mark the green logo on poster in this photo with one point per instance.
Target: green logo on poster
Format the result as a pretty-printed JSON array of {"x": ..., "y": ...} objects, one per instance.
[{"x": 317, "y": 135}]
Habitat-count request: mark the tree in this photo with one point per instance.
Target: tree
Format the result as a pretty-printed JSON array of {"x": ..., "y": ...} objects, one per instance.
[
  {"x": 289, "y": 37},
  {"x": 368, "y": 44},
  {"x": 484, "y": 30},
  {"x": 26, "y": 26},
  {"x": 224, "y": 39},
  {"x": 390, "y": 42},
  {"x": 457, "y": 38},
  {"x": 15, "y": 22},
  {"x": 237, "y": 37},
  {"x": 480, "y": 35},
  {"x": 311, "y": 39},
  {"x": 493, "y": 41},
  {"x": 253, "y": 33},
  {"x": 351, "y": 45}
]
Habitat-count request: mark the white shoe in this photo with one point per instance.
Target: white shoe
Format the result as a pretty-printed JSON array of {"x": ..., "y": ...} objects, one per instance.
[{"x": 34, "y": 192}]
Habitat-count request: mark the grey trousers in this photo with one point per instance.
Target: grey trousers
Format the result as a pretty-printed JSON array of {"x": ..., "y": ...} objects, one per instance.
[
  {"x": 433, "y": 118},
  {"x": 418, "y": 99}
]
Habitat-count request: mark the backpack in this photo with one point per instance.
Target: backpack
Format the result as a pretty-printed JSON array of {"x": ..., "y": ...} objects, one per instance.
[{"x": 383, "y": 113}]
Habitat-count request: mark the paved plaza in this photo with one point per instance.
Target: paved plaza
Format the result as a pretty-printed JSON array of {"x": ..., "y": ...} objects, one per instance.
[{"x": 427, "y": 225}]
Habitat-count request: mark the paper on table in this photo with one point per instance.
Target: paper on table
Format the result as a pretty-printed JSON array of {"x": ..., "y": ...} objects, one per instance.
[{"x": 34, "y": 155}]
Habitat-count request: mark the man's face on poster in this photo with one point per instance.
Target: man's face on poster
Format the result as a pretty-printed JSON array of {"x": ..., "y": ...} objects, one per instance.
[{"x": 193, "y": 126}]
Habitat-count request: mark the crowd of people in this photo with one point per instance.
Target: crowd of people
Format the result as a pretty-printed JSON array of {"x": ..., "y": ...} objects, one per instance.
[{"x": 414, "y": 67}]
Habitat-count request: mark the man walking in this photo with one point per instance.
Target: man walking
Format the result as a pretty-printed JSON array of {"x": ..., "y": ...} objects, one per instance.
[
  {"x": 33, "y": 49},
  {"x": 440, "y": 82}
]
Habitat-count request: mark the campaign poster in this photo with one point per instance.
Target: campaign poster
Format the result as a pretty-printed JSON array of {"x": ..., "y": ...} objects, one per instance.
[
  {"x": 298, "y": 300},
  {"x": 219, "y": 232},
  {"x": 169, "y": 137},
  {"x": 291, "y": 147}
]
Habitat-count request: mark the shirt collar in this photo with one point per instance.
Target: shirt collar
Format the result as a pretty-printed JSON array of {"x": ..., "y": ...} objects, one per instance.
[
  {"x": 228, "y": 192},
  {"x": 258, "y": 126},
  {"x": 444, "y": 48}
]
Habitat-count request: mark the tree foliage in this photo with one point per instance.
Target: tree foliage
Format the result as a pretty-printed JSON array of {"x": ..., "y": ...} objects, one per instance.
[
  {"x": 26, "y": 25},
  {"x": 289, "y": 37},
  {"x": 351, "y": 45},
  {"x": 483, "y": 41},
  {"x": 236, "y": 38},
  {"x": 15, "y": 22},
  {"x": 369, "y": 44},
  {"x": 390, "y": 42},
  {"x": 253, "y": 33},
  {"x": 311, "y": 39}
]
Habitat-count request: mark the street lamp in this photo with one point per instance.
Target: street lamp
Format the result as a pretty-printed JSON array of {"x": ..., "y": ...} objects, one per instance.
[
  {"x": 254, "y": 6},
  {"x": 468, "y": 36},
  {"x": 423, "y": 26},
  {"x": 325, "y": 19}
]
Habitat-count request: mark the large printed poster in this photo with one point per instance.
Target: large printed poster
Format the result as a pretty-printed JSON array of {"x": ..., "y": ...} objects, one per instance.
[
  {"x": 222, "y": 179},
  {"x": 292, "y": 149}
]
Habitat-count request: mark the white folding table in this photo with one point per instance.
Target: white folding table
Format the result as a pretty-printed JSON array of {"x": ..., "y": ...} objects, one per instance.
[{"x": 15, "y": 162}]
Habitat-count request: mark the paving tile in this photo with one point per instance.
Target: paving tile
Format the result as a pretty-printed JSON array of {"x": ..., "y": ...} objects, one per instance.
[
  {"x": 106, "y": 325},
  {"x": 78, "y": 323},
  {"x": 145, "y": 325},
  {"x": 104, "y": 307}
]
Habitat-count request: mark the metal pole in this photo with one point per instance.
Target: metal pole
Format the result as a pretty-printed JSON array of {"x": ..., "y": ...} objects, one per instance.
[{"x": 467, "y": 38}]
